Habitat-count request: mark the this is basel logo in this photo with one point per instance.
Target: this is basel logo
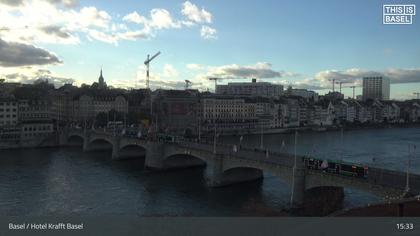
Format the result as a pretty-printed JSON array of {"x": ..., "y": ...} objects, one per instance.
[{"x": 398, "y": 14}]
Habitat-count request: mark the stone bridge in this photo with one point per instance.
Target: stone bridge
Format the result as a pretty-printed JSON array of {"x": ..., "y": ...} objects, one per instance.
[{"x": 227, "y": 167}]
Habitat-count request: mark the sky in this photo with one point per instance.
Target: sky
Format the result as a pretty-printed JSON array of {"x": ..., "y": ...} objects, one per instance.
[{"x": 299, "y": 43}]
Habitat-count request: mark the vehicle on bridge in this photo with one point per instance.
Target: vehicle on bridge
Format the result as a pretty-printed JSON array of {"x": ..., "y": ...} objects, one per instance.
[{"x": 340, "y": 168}]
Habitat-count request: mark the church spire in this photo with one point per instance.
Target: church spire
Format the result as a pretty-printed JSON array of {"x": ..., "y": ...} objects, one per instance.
[{"x": 101, "y": 81}]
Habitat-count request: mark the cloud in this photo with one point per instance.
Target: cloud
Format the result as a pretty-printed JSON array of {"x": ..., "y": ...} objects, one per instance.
[
  {"x": 194, "y": 66},
  {"x": 13, "y": 3},
  {"x": 208, "y": 32},
  {"x": 260, "y": 70},
  {"x": 31, "y": 74},
  {"x": 101, "y": 36},
  {"x": 66, "y": 3},
  {"x": 194, "y": 14},
  {"x": 39, "y": 21},
  {"x": 56, "y": 30},
  {"x": 169, "y": 71},
  {"x": 135, "y": 17},
  {"x": 134, "y": 35},
  {"x": 355, "y": 76},
  {"x": 17, "y": 54},
  {"x": 160, "y": 19}
]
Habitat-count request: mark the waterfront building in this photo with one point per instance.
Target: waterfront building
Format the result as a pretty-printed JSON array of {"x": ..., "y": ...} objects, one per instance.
[
  {"x": 390, "y": 112},
  {"x": 87, "y": 107},
  {"x": 376, "y": 88},
  {"x": 36, "y": 110},
  {"x": 36, "y": 130},
  {"x": 257, "y": 89},
  {"x": 228, "y": 113},
  {"x": 8, "y": 111},
  {"x": 177, "y": 111},
  {"x": 292, "y": 112},
  {"x": 345, "y": 110}
]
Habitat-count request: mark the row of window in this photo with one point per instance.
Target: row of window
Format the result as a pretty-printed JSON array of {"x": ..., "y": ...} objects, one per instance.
[
  {"x": 35, "y": 134},
  {"x": 8, "y": 103},
  {"x": 7, "y": 110},
  {"x": 38, "y": 128},
  {"x": 7, "y": 116},
  {"x": 8, "y": 122}
]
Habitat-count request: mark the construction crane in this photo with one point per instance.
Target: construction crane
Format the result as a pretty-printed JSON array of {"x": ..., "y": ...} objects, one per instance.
[
  {"x": 215, "y": 82},
  {"x": 147, "y": 63},
  {"x": 353, "y": 87},
  {"x": 340, "y": 83},
  {"x": 417, "y": 94},
  {"x": 187, "y": 84},
  {"x": 333, "y": 83}
]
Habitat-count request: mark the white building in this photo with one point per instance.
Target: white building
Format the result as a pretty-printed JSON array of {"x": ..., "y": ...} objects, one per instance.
[
  {"x": 263, "y": 89},
  {"x": 307, "y": 94},
  {"x": 87, "y": 107},
  {"x": 376, "y": 88},
  {"x": 228, "y": 113}
]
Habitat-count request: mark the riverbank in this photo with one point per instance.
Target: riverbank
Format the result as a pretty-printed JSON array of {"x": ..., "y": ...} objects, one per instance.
[{"x": 47, "y": 142}]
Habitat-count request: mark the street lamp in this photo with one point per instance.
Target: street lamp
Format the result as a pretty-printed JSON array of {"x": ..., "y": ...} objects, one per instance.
[
  {"x": 262, "y": 137},
  {"x": 407, "y": 183},
  {"x": 294, "y": 168}
]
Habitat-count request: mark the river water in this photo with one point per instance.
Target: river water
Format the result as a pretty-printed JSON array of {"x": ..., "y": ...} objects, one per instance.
[{"x": 66, "y": 181}]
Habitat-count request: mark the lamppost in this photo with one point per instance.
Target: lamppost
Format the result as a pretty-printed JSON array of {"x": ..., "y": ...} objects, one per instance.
[
  {"x": 407, "y": 182},
  {"x": 294, "y": 169},
  {"x": 262, "y": 137},
  {"x": 199, "y": 129}
]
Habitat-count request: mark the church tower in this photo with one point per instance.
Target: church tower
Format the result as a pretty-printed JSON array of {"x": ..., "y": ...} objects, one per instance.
[{"x": 101, "y": 81}]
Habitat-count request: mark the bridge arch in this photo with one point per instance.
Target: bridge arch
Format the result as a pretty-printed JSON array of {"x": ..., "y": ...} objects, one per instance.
[
  {"x": 231, "y": 176},
  {"x": 183, "y": 160},
  {"x": 132, "y": 150},
  {"x": 75, "y": 140},
  {"x": 97, "y": 144}
]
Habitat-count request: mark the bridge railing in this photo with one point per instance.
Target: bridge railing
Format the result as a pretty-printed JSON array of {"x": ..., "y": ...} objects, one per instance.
[{"x": 246, "y": 154}]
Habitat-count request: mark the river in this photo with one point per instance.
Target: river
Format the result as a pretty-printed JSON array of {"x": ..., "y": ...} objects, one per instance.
[{"x": 66, "y": 181}]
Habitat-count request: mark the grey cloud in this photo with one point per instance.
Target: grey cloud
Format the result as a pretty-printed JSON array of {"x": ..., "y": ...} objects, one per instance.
[
  {"x": 261, "y": 70},
  {"x": 67, "y": 3},
  {"x": 17, "y": 54},
  {"x": 253, "y": 72},
  {"x": 38, "y": 75},
  {"x": 56, "y": 30},
  {"x": 401, "y": 76},
  {"x": 355, "y": 76},
  {"x": 12, "y": 2}
]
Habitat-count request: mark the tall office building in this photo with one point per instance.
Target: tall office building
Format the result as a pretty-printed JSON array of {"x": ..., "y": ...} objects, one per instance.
[{"x": 376, "y": 88}]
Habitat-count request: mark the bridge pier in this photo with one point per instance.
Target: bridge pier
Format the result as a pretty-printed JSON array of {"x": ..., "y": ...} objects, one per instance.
[
  {"x": 298, "y": 188},
  {"x": 63, "y": 138},
  {"x": 155, "y": 155},
  {"x": 116, "y": 148},
  {"x": 86, "y": 142},
  {"x": 213, "y": 172}
]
